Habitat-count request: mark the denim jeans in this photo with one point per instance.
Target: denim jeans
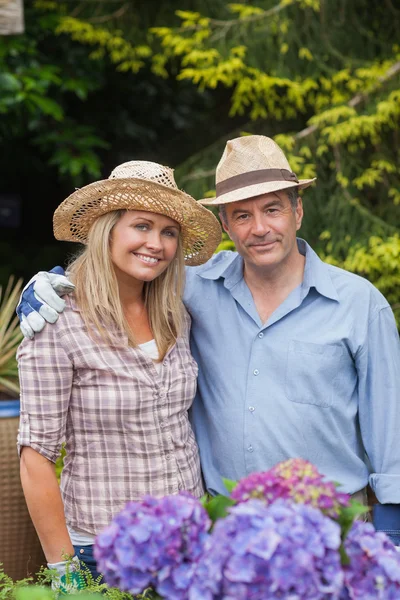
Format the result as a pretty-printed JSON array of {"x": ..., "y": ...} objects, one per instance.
[{"x": 85, "y": 555}]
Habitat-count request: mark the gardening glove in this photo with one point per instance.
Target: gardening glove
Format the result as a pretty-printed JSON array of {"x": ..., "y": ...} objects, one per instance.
[
  {"x": 68, "y": 578},
  {"x": 40, "y": 301}
]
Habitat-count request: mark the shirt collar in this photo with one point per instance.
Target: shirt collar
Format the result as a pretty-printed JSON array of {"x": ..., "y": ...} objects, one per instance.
[
  {"x": 316, "y": 272},
  {"x": 229, "y": 267},
  {"x": 70, "y": 300}
]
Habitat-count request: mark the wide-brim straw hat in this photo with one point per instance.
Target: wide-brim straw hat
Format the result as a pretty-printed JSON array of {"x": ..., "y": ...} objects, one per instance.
[
  {"x": 250, "y": 166},
  {"x": 140, "y": 185}
]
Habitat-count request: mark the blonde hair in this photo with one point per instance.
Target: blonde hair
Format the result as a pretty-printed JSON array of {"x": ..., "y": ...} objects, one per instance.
[{"x": 97, "y": 292}]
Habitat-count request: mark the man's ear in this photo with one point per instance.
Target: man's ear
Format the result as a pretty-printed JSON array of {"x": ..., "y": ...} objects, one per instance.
[
  {"x": 224, "y": 223},
  {"x": 299, "y": 213}
]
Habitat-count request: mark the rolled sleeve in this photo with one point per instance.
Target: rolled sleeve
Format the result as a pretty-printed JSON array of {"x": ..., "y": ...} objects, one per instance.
[
  {"x": 45, "y": 374},
  {"x": 378, "y": 367}
]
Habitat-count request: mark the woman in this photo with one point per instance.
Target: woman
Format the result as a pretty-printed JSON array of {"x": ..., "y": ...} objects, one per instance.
[{"x": 114, "y": 377}]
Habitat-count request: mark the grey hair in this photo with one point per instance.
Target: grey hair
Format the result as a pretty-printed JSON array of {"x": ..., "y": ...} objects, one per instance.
[
  {"x": 222, "y": 213},
  {"x": 292, "y": 194}
]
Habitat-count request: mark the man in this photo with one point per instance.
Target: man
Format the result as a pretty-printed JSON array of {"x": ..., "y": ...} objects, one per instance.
[{"x": 296, "y": 357}]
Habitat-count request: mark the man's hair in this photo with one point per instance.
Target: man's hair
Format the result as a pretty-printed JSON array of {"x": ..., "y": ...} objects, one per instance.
[
  {"x": 97, "y": 292},
  {"x": 222, "y": 213},
  {"x": 292, "y": 193}
]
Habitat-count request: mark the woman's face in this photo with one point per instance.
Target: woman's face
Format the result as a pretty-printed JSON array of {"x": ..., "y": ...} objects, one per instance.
[{"x": 143, "y": 244}]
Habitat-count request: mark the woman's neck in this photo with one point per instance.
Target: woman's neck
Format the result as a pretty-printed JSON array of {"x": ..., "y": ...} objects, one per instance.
[{"x": 130, "y": 290}]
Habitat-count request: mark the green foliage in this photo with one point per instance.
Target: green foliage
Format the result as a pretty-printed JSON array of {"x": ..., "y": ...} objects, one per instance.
[
  {"x": 379, "y": 262},
  {"x": 324, "y": 82},
  {"x": 28, "y": 589},
  {"x": 59, "y": 465},
  {"x": 322, "y": 78},
  {"x": 10, "y": 337},
  {"x": 217, "y": 507},
  {"x": 226, "y": 243},
  {"x": 36, "y": 89},
  {"x": 347, "y": 516},
  {"x": 123, "y": 54}
]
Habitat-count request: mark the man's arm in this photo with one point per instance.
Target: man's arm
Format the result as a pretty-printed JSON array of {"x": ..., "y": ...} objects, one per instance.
[
  {"x": 40, "y": 301},
  {"x": 378, "y": 366}
]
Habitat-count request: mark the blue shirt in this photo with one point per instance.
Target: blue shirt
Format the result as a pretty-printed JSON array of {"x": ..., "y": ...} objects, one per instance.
[{"x": 319, "y": 380}]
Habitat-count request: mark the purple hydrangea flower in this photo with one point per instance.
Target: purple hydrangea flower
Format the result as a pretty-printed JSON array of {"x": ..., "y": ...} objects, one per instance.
[
  {"x": 154, "y": 543},
  {"x": 295, "y": 479},
  {"x": 285, "y": 551},
  {"x": 374, "y": 569}
]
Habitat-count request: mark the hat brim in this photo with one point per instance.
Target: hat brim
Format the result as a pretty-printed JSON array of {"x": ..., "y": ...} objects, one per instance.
[
  {"x": 251, "y": 191},
  {"x": 200, "y": 229}
]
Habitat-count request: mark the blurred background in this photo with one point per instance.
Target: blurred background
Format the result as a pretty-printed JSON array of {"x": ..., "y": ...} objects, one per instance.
[{"x": 86, "y": 85}]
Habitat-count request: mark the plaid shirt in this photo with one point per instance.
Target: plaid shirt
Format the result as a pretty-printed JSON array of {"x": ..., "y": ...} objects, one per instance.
[{"x": 125, "y": 426}]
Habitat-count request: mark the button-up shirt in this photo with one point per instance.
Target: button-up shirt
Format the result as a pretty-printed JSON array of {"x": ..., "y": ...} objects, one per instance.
[
  {"x": 319, "y": 380},
  {"x": 125, "y": 425}
]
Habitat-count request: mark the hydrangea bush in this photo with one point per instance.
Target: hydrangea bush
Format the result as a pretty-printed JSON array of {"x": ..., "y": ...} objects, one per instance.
[
  {"x": 284, "y": 534},
  {"x": 374, "y": 568},
  {"x": 286, "y": 550},
  {"x": 154, "y": 543}
]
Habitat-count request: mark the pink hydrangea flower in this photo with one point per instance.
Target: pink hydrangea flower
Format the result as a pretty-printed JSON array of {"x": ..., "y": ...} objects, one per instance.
[{"x": 295, "y": 479}]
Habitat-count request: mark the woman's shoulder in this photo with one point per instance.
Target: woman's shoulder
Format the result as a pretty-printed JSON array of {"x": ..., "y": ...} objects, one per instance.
[
  {"x": 69, "y": 316},
  {"x": 55, "y": 334}
]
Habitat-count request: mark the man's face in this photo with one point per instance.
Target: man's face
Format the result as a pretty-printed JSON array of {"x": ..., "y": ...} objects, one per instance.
[{"x": 264, "y": 229}]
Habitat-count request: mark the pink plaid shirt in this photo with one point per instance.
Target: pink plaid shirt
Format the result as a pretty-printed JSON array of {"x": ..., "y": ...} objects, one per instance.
[{"x": 125, "y": 426}]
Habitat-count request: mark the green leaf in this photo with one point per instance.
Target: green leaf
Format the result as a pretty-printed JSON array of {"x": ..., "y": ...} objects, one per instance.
[
  {"x": 34, "y": 593},
  {"x": 348, "y": 515},
  {"x": 48, "y": 106},
  {"x": 344, "y": 558},
  {"x": 217, "y": 507},
  {"x": 230, "y": 484},
  {"x": 9, "y": 82}
]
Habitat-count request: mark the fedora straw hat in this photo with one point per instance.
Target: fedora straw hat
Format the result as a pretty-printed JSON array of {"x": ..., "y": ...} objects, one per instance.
[
  {"x": 250, "y": 166},
  {"x": 140, "y": 185}
]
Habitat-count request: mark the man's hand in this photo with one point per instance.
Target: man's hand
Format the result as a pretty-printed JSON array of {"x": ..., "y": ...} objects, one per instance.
[{"x": 40, "y": 301}]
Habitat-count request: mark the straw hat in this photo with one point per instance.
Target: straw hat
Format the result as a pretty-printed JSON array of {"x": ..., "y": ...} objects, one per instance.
[
  {"x": 250, "y": 166},
  {"x": 140, "y": 185}
]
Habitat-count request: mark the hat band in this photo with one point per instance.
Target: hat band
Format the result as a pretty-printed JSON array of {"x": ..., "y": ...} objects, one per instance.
[{"x": 252, "y": 178}]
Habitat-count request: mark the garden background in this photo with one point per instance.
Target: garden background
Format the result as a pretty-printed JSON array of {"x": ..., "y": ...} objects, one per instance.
[{"x": 91, "y": 84}]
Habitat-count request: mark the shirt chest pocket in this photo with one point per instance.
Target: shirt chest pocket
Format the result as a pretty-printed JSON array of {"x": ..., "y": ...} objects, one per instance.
[{"x": 312, "y": 371}]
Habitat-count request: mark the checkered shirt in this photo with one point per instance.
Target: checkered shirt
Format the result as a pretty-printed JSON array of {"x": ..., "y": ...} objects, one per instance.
[{"x": 125, "y": 426}]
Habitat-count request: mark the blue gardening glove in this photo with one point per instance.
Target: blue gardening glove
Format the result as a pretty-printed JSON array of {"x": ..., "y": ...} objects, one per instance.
[
  {"x": 68, "y": 577},
  {"x": 40, "y": 301}
]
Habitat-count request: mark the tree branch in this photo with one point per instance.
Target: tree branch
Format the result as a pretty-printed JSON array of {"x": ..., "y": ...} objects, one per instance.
[
  {"x": 115, "y": 15},
  {"x": 355, "y": 101}
]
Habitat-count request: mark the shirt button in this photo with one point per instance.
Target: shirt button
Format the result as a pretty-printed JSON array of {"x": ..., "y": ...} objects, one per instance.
[
  {"x": 162, "y": 394},
  {"x": 260, "y": 335},
  {"x": 165, "y": 363},
  {"x": 251, "y": 408},
  {"x": 163, "y": 424},
  {"x": 168, "y": 456},
  {"x": 250, "y": 448},
  {"x": 256, "y": 372}
]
